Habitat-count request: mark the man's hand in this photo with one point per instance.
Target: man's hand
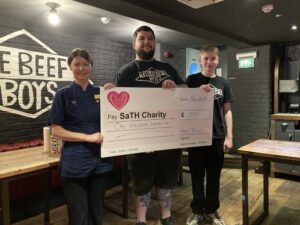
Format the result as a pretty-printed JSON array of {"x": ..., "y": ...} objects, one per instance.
[
  {"x": 206, "y": 87},
  {"x": 227, "y": 144},
  {"x": 168, "y": 84}
]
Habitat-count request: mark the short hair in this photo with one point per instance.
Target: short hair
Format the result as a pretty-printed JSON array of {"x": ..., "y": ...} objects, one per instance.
[
  {"x": 79, "y": 52},
  {"x": 211, "y": 49},
  {"x": 142, "y": 28}
]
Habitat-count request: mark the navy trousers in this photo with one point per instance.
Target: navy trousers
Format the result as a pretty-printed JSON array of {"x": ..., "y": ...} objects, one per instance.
[{"x": 84, "y": 198}]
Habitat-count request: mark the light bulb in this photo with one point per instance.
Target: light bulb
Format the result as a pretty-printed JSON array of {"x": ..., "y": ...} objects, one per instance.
[
  {"x": 267, "y": 8},
  {"x": 105, "y": 20},
  {"x": 53, "y": 18},
  {"x": 294, "y": 27}
]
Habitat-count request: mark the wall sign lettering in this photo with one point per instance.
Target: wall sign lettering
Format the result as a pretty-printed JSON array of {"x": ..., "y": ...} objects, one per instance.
[{"x": 29, "y": 79}]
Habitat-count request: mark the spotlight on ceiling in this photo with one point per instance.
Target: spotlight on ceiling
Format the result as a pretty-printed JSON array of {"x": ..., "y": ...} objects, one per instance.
[
  {"x": 267, "y": 8},
  {"x": 105, "y": 20},
  {"x": 294, "y": 27},
  {"x": 53, "y": 18},
  {"x": 196, "y": 4}
]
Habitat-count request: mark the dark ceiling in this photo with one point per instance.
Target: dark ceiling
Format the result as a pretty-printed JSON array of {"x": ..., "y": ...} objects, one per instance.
[
  {"x": 238, "y": 23},
  {"x": 76, "y": 17}
]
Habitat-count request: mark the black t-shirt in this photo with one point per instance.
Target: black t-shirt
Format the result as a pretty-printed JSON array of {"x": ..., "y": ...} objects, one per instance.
[
  {"x": 223, "y": 94},
  {"x": 146, "y": 74}
]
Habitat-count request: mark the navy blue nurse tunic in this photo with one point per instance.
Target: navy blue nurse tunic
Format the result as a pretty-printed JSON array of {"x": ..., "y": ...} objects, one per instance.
[{"x": 79, "y": 111}]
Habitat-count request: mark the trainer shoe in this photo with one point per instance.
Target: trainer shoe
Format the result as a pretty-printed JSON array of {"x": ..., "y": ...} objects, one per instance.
[
  {"x": 167, "y": 221},
  {"x": 194, "y": 219},
  {"x": 140, "y": 223},
  {"x": 215, "y": 219}
]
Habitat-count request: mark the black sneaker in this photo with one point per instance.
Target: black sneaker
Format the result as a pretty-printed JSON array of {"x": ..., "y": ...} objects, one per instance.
[
  {"x": 167, "y": 221},
  {"x": 214, "y": 219},
  {"x": 195, "y": 219}
]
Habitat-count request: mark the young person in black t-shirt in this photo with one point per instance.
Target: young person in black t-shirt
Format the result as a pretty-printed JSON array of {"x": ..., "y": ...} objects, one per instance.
[
  {"x": 160, "y": 168},
  {"x": 208, "y": 160}
]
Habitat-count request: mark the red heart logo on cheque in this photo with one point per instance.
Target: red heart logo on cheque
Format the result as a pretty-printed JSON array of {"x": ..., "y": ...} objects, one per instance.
[{"x": 118, "y": 100}]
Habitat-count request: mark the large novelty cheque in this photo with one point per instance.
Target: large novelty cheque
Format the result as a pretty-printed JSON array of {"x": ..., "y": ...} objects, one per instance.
[{"x": 135, "y": 120}]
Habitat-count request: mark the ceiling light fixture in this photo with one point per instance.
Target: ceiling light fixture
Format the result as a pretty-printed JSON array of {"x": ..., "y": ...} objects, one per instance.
[
  {"x": 267, "y": 8},
  {"x": 196, "y": 4},
  {"x": 53, "y": 18},
  {"x": 294, "y": 27},
  {"x": 105, "y": 20}
]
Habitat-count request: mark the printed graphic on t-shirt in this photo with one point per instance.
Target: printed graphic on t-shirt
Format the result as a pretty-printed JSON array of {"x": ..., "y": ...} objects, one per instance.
[
  {"x": 218, "y": 92},
  {"x": 152, "y": 76}
]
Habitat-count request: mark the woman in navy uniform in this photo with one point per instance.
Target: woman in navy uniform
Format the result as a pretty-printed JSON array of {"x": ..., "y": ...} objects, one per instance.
[{"x": 75, "y": 118}]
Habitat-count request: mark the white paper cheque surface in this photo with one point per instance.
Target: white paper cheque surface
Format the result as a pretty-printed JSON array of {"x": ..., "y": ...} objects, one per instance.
[{"x": 135, "y": 120}]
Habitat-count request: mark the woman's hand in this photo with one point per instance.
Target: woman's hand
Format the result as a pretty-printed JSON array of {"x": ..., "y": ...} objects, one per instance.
[
  {"x": 108, "y": 86},
  {"x": 94, "y": 138}
]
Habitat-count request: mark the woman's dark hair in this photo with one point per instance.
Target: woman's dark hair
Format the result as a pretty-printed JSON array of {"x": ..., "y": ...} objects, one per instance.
[
  {"x": 79, "y": 52},
  {"x": 142, "y": 28}
]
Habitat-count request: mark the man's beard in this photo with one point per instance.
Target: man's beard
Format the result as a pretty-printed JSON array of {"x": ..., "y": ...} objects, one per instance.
[{"x": 145, "y": 55}]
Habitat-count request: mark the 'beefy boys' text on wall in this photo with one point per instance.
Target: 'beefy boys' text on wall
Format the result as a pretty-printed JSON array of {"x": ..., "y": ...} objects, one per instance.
[{"x": 29, "y": 79}]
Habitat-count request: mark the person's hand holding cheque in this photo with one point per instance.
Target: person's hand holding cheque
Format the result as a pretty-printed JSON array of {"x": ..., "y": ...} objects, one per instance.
[
  {"x": 168, "y": 84},
  {"x": 206, "y": 87},
  {"x": 108, "y": 86},
  {"x": 94, "y": 138}
]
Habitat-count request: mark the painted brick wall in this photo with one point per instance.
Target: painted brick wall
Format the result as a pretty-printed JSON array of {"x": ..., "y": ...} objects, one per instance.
[
  {"x": 108, "y": 57},
  {"x": 177, "y": 60},
  {"x": 252, "y": 89}
]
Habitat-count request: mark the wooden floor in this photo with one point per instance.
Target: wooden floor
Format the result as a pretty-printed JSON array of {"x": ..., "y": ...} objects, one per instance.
[{"x": 284, "y": 202}]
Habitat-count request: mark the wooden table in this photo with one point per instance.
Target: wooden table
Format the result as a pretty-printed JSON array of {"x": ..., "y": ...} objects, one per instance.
[
  {"x": 266, "y": 151},
  {"x": 20, "y": 163},
  {"x": 31, "y": 161}
]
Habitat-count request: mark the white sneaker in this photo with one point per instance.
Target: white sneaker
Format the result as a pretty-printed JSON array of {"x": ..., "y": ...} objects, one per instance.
[
  {"x": 194, "y": 219},
  {"x": 214, "y": 219}
]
